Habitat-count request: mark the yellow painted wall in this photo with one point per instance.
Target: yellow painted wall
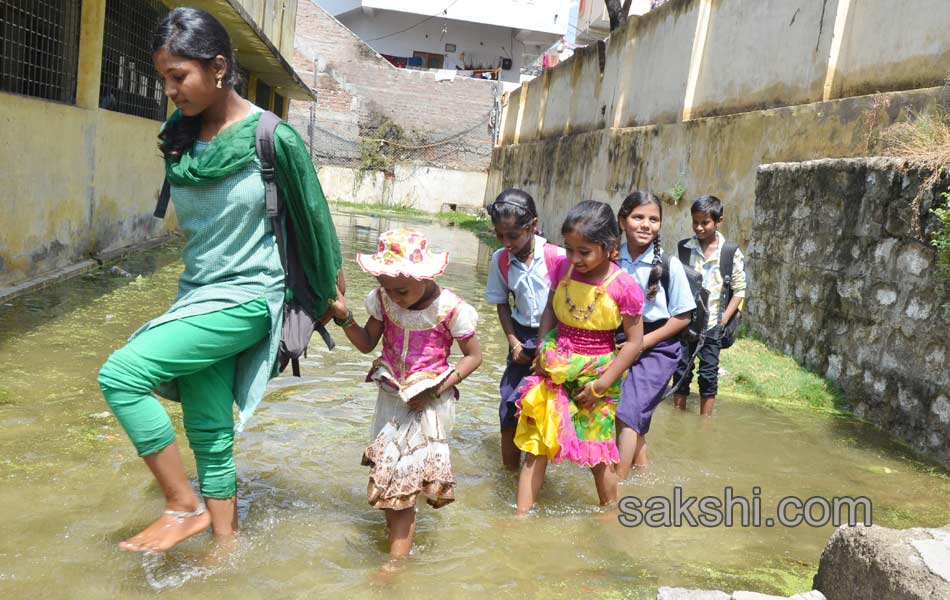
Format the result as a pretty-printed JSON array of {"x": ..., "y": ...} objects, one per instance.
[
  {"x": 77, "y": 180},
  {"x": 74, "y": 182}
]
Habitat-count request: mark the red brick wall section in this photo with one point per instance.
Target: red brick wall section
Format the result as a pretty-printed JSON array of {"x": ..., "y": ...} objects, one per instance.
[{"x": 355, "y": 86}]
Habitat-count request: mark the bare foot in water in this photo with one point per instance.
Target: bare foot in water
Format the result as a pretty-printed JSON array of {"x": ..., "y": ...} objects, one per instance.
[
  {"x": 224, "y": 549},
  {"x": 608, "y": 513},
  {"x": 171, "y": 528},
  {"x": 388, "y": 572}
]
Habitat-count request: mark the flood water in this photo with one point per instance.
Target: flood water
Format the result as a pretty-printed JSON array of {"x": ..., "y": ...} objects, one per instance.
[{"x": 71, "y": 485}]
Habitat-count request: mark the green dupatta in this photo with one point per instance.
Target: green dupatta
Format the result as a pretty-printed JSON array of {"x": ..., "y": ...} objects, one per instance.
[{"x": 233, "y": 148}]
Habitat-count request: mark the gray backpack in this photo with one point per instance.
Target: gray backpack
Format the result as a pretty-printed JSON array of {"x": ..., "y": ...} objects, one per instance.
[{"x": 299, "y": 322}]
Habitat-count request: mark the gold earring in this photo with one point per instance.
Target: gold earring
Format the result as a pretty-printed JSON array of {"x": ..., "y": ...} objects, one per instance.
[{"x": 219, "y": 83}]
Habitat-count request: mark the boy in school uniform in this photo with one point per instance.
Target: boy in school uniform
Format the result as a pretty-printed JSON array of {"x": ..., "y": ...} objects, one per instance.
[{"x": 705, "y": 252}]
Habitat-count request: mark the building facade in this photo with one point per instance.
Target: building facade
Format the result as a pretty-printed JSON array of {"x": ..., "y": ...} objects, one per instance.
[
  {"x": 593, "y": 22},
  {"x": 80, "y": 108},
  {"x": 379, "y": 134},
  {"x": 478, "y": 38}
]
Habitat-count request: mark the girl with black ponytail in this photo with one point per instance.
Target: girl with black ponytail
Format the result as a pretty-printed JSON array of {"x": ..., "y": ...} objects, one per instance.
[
  {"x": 216, "y": 346},
  {"x": 665, "y": 313},
  {"x": 520, "y": 270}
]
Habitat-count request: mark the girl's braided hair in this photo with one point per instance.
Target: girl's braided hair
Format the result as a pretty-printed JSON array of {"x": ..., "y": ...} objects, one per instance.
[{"x": 631, "y": 202}]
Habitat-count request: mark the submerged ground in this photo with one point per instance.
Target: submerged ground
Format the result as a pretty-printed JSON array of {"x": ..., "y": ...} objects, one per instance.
[{"x": 71, "y": 486}]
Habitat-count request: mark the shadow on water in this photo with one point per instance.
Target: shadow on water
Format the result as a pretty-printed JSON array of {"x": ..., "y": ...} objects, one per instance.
[{"x": 72, "y": 486}]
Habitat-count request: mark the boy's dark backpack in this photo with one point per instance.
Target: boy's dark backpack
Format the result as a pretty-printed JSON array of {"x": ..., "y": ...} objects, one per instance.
[
  {"x": 299, "y": 322},
  {"x": 727, "y": 336},
  {"x": 699, "y": 316}
]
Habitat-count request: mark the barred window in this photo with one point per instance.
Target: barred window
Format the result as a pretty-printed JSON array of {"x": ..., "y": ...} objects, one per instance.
[
  {"x": 129, "y": 83},
  {"x": 262, "y": 95},
  {"x": 39, "y": 48},
  {"x": 278, "y": 104},
  {"x": 242, "y": 78}
]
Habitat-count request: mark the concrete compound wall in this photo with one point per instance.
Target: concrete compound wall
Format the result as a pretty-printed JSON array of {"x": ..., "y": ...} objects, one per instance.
[
  {"x": 844, "y": 284},
  {"x": 695, "y": 94},
  {"x": 412, "y": 186}
]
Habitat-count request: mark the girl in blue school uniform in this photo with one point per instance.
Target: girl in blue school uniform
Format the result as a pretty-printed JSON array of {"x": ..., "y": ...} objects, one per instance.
[
  {"x": 665, "y": 313},
  {"x": 520, "y": 269}
]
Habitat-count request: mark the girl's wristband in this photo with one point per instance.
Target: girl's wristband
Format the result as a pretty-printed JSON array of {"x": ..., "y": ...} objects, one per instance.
[
  {"x": 593, "y": 391},
  {"x": 344, "y": 323}
]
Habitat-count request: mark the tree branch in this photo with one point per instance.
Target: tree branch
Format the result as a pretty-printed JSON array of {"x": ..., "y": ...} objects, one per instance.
[{"x": 617, "y": 13}]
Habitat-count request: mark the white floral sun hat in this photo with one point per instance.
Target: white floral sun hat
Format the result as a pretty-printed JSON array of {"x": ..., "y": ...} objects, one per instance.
[{"x": 404, "y": 252}]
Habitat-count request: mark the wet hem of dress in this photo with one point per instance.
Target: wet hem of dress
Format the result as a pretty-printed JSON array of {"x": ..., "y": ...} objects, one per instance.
[{"x": 437, "y": 494}]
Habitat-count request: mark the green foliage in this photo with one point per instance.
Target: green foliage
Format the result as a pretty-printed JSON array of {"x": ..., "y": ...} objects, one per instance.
[
  {"x": 383, "y": 143},
  {"x": 941, "y": 240},
  {"x": 675, "y": 194},
  {"x": 678, "y": 192},
  {"x": 375, "y": 154}
]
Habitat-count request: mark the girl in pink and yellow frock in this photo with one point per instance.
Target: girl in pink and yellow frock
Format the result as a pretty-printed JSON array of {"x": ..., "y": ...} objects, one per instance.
[
  {"x": 567, "y": 410},
  {"x": 418, "y": 321}
]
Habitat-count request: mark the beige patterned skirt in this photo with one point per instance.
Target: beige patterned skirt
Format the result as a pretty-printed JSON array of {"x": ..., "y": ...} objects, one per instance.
[{"x": 409, "y": 454}]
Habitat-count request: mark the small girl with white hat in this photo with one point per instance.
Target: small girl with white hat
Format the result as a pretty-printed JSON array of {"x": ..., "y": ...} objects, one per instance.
[{"x": 418, "y": 322}]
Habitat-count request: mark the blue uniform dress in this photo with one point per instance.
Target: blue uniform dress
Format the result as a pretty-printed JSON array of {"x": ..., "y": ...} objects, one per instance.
[
  {"x": 529, "y": 285},
  {"x": 645, "y": 384}
]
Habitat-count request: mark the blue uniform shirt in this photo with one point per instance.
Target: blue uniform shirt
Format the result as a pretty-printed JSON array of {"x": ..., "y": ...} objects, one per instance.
[
  {"x": 529, "y": 285},
  {"x": 661, "y": 307}
]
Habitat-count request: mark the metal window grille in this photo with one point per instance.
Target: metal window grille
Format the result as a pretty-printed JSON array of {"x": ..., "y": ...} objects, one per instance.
[
  {"x": 278, "y": 104},
  {"x": 129, "y": 83},
  {"x": 262, "y": 96},
  {"x": 39, "y": 48},
  {"x": 242, "y": 78}
]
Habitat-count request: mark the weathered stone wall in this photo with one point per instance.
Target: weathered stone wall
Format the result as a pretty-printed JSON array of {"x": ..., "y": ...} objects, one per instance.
[{"x": 840, "y": 281}]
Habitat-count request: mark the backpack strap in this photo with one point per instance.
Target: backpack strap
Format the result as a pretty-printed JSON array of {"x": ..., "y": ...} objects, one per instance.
[
  {"x": 727, "y": 257},
  {"x": 684, "y": 251},
  {"x": 162, "y": 205},
  {"x": 504, "y": 264},
  {"x": 266, "y": 153},
  {"x": 550, "y": 258},
  {"x": 665, "y": 275}
]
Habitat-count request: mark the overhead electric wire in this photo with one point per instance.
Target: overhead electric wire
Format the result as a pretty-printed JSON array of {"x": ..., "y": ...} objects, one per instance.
[{"x": 429, "y": 18}]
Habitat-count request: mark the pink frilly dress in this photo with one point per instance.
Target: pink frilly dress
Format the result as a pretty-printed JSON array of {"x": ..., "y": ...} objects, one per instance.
[{"x": 409, "y": 453}]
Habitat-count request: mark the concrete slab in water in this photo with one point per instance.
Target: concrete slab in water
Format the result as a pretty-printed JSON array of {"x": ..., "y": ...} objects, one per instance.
[
  {"x": 669, "y": 593},
  {"x": 877, "y": 562},
  {"x": 936, "y": 552}
]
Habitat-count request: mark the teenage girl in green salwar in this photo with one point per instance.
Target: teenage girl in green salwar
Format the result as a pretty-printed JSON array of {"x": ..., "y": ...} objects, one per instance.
[{"x": 216, "y": 345}]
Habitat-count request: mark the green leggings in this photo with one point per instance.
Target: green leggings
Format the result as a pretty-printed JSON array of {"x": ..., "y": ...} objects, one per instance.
[{"x": 201, "y": 353}]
